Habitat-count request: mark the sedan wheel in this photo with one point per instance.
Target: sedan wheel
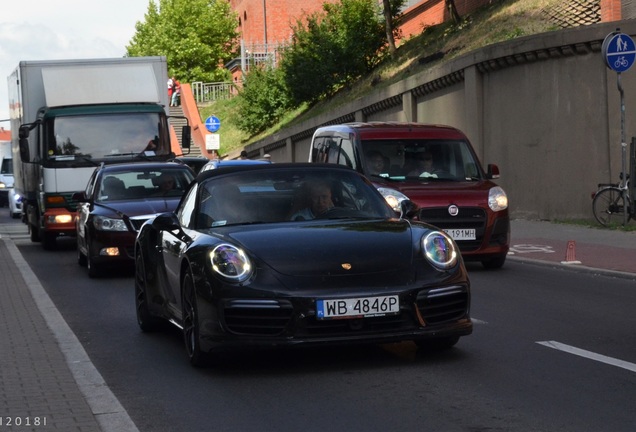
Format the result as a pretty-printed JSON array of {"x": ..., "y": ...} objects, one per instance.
[
  {"x": 81, "y": 258},
  {"x": 94, "y": 270},
  {"x": 147, "y": 322},
  {"x": 191, "y": 323}
]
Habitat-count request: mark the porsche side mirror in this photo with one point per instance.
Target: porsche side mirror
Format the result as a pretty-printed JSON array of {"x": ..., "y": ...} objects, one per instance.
[{"x": 166, "y": 222}]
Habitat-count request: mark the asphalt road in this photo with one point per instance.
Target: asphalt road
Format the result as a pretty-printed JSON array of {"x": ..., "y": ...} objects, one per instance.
[{"x": 552, "y": 350}]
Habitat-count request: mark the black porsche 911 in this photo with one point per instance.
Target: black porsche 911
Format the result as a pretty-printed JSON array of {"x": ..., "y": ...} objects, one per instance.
[{"x": 296, "y": 254}]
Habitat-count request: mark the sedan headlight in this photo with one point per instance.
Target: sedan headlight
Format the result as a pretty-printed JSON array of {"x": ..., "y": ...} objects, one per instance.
[
  {"x": 103, "y": 223},
  {"x": 440, "y": 250},
  {"x": 231, "y": 262},
  {"x": 497, "y": 199},
  {"x": 393, "y": 197}
]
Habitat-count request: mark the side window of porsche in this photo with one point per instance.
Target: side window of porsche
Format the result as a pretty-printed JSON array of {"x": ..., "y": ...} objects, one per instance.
[{"x": 186, "y": 211}]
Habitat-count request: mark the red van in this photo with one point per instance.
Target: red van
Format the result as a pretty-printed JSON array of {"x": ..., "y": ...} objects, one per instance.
[{"x": 437, "y": 169}]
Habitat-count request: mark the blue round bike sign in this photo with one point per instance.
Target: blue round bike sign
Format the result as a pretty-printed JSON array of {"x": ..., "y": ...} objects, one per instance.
[{"x": 619, "y": 51}]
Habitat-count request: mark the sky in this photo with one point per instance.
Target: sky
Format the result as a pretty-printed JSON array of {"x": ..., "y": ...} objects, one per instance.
[{"x": 63, "y": 29}]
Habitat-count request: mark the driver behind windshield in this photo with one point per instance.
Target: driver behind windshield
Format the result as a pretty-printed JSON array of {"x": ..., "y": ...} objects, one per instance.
[{"x": 318, "y": 201}]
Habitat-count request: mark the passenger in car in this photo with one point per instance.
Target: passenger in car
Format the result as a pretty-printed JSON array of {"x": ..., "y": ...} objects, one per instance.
[
  {"x": 376, "y": 163},
  {"x": 424, "y": 165},
  {"x": 166, "y": 184},
  {"x": 316, "y": 200}
]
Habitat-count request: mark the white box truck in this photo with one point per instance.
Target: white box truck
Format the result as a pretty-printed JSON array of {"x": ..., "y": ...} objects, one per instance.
[{"x": 69, "y": 116}]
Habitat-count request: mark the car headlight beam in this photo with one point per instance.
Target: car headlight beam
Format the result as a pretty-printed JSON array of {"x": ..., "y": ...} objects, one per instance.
[
  {"x": 231, "y": 262},
  {"x": 440, "y": 250}
]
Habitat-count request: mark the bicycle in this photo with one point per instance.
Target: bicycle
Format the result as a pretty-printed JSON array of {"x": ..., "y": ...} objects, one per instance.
[{"x": 608, "y": 202}]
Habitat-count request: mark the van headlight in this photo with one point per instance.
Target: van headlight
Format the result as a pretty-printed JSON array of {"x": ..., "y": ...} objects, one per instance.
[
  {"x": 393, "y": 198},
  {"x": 497, "y": 199}
]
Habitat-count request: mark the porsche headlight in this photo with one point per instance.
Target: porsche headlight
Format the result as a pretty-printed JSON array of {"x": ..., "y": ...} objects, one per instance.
[
  {"x": 231, "y": 262},
  {"x": 103, "y": 223},
  {"x": 497, "y": 199},
  {"x": 440, "y": 250},
  {"x": 393, "y": 197}
]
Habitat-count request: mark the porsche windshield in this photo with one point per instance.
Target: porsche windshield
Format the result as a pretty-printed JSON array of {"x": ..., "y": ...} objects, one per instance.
[{"x": 287, "y": 195}]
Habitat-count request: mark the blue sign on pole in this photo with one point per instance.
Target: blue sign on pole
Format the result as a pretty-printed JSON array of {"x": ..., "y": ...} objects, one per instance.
[
  {"x": 619, "y": 51},
  {"x": 212, "y": 123}
]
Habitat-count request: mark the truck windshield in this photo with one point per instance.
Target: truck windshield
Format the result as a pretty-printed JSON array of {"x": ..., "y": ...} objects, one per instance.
[
  {"x": 103, "y": 136},
  {"x": 424, "y": 159}
]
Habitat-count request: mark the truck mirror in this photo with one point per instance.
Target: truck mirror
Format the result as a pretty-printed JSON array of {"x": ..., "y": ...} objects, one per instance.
[
  {"x": 24, "y": 149},
  {"x": 23, "y": 132},
  {"x": 186, "y": 137}
]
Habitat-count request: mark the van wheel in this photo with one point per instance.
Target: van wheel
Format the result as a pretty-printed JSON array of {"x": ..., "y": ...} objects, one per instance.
[{"x": 494, "y": 263}]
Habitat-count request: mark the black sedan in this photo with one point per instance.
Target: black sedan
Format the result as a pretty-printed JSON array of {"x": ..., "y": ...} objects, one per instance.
[
  {"x": 118, "y": 199},
  {"x": 296, "y": 255}
]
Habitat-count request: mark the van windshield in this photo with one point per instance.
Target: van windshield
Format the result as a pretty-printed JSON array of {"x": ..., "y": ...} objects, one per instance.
[
  {"x": 103, "y": 136},
  {"x": 420, "y": 159}
]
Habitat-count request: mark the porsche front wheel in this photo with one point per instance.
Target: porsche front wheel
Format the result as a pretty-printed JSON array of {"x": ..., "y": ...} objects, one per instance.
[{"x": 191, "y": 330}]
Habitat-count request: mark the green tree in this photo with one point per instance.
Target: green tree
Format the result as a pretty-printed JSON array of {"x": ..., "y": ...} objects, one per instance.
[
  {"x": 263, "y": 100},
  {"x": 332, "y": 48},
  {"x": 197, "y": 37}
]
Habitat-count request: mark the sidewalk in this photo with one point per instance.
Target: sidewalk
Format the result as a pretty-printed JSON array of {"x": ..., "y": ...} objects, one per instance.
[
  {"x": 594, "y": 249},
  {"x": 48, "y": 378}
]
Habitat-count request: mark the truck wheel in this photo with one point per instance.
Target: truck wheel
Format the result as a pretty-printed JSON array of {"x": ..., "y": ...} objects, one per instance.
[
  {"x": 49, "y": 241},
  {"x": 35, "y": 233}
]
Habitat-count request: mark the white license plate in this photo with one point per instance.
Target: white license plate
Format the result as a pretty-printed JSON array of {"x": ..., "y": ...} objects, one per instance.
[
  {"x": 461, "y": 233},
  {"x": 358, "y": 307}
]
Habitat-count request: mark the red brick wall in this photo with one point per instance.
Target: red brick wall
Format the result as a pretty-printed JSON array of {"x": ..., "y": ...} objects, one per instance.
[
  {"x": 610, "y": 10},
  {"x": 280, "y": 16}
]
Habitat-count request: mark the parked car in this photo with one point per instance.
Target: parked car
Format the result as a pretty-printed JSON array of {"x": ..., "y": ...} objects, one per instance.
[
  {"x": 248, "y": 260},
  {"x": 117, "y": 201},
  {"x": 15, "y": 204},
  {"x": 214, "y": 164},
  {"x": 454, "y": 192}
]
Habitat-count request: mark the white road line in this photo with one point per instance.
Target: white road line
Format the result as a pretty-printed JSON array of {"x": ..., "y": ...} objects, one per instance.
[{"x": 590, "y": 355}]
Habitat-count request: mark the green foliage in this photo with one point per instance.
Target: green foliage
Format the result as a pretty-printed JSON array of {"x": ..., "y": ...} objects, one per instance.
[
  {"x": 197, "y": 37},
  {"x": 333, "y": 48},
  {"x": 263, "y": 100}
]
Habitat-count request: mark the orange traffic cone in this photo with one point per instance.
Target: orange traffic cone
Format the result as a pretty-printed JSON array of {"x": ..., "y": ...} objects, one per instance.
[{"x": 570, "y": 253}]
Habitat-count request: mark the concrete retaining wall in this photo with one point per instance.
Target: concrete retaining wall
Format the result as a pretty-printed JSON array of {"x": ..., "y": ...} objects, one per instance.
[{"x": 545, "y": 108}]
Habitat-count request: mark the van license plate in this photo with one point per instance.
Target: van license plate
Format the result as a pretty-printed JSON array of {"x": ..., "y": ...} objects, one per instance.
[
  {"x": 461, "y": 233},
  {"x": 358, "y": 307}
]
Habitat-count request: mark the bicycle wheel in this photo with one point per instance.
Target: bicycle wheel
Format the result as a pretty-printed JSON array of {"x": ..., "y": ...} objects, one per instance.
[{"x": 609, "y": 206}]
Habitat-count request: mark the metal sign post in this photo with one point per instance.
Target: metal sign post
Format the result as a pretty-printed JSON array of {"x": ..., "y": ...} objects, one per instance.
[{"x": 619, "y": 52}]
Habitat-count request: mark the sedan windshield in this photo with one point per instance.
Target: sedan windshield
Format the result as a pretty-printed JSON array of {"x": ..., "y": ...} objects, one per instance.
[
  {"x": 286, "y": 195},
  {"x": 143, "y": 183}
]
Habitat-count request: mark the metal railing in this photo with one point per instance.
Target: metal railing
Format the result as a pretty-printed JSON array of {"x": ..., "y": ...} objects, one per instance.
[{"x": 208, "y": 92}]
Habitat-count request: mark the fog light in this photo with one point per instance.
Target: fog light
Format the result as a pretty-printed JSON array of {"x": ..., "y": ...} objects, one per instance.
[{"x": 109, "y": 251}]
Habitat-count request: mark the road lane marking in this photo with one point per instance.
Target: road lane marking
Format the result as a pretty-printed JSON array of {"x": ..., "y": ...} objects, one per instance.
[{"x": 590, "y": 355}]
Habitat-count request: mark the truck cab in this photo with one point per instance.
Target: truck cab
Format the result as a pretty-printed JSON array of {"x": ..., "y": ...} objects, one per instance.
[{"x": 437, "y": 169}]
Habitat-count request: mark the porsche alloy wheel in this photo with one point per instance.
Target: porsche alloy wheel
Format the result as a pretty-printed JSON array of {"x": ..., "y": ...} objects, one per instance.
[
  {"x": 146, "y": 321},
  {"x": 191, "y": 323}
]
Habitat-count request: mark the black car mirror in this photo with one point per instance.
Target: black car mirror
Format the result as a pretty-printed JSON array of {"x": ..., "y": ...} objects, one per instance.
[
  {"x": 407, "y": 208},
  {"x": 166, "y": 222},
  {"x": 79, "y": 196}
]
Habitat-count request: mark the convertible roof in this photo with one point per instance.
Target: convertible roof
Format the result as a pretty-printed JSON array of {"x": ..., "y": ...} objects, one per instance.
[{"x": 304, "y": 166}]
